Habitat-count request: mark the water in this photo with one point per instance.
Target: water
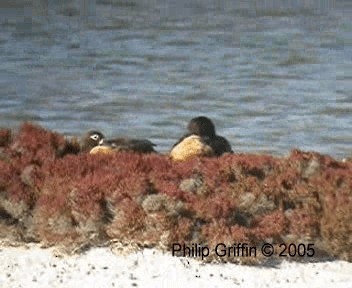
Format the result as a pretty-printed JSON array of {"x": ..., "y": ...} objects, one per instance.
[{"x": 273, "y": 76}]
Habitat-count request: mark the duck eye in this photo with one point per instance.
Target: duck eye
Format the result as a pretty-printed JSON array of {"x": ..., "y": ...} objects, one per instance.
[{"x": 95, "y": 137}]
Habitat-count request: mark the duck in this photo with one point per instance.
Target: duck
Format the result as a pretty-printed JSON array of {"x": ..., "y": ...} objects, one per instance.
[
  {"x": 201, "y": 140},
  {"x": 95, "y": 142}
]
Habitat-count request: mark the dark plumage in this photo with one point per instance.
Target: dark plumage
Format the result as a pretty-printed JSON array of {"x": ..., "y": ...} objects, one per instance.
[
  {"x": 71, "y": 146},
  {"x": 201, "y": 126},
  {"x": 127, "y": 144},
  {"x": 5, "y": 137},
  {"x": 205, "y": 129}
]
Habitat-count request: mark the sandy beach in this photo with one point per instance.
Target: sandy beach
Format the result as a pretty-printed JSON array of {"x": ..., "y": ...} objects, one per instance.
[{"x": 32, "y": 266}]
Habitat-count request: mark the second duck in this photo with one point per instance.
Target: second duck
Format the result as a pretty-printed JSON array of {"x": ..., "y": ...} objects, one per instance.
[{"x": 123, "y": 144}]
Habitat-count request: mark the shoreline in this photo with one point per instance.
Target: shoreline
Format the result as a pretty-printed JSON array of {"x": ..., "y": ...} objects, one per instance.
[{"x": 25, "y": 266}]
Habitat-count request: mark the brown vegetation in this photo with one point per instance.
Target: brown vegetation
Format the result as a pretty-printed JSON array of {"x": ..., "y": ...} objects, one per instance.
[{"x": 50, "y": 194}]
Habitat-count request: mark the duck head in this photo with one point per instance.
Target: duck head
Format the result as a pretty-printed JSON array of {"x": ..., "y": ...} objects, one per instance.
[
  {"x": 201, "y": 126},
  {"x": 91, "y": 139}
]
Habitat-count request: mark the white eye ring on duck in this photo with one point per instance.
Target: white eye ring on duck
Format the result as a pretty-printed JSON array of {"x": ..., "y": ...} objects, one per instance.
[{"x": 95, "y": 137}]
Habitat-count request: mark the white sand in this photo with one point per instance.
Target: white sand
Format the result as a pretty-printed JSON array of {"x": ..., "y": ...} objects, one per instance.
[{"x": 99, "y": 267}]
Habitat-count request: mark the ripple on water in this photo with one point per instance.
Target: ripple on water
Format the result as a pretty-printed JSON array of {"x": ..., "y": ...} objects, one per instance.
[{"x": 271, "y": 77}]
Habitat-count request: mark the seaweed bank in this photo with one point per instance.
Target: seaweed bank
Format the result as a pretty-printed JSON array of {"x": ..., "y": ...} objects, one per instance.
[{"x": 54, "y": 195}]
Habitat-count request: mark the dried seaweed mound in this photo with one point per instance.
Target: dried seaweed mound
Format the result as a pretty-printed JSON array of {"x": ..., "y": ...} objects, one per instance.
[{"x": 80, "y": 199}]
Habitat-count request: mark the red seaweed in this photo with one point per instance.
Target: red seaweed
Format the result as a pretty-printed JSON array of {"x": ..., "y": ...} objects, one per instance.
[{"x": 52, "y": 193}]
